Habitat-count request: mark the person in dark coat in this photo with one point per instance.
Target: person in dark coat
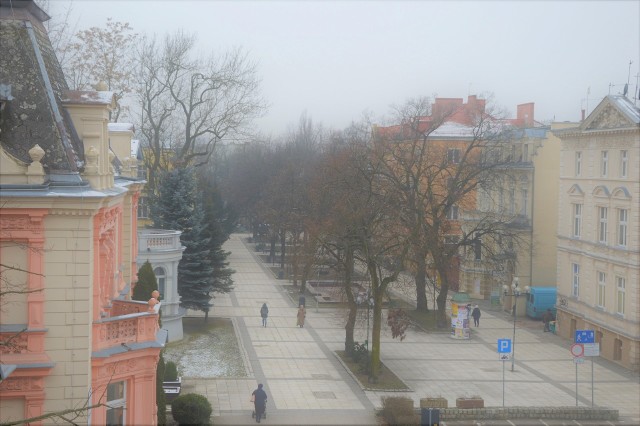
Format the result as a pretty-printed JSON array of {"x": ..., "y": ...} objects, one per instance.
[
  {"x": 264, "y": 313},
  {"x": 259, "y": 401},
  {"x": 547, "y": 317},
  {"x": 476, "y": 316}
]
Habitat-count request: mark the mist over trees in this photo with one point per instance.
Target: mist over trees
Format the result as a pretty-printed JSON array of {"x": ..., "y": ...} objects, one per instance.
[{"x": 378, "y": 201}]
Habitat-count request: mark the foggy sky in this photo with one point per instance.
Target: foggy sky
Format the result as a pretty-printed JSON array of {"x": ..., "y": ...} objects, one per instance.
[{"x": 336, "y": 59}]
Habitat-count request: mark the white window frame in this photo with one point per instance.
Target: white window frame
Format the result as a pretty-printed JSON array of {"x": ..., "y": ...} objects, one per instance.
[
  {"x": 623, "y": 225},
  {"x": 453, "y": 155},
  {"x": 603, "y": 212},
  {"x": 578, "y": 163},
  {"x": 577, "y": 220},
  {"x": 621, "y": 284},
  {"x": 575, "y": 280},
  {"x": 118, "y": 402},
  {"x": 161, "y": 278},
  {"x": 601, "y": 294},
  {"x": 604, "y": 163},
  {"x": 525, "y": 202},
  {"x": 624, "y": 163},
  {"x": 453, "y": 213}
]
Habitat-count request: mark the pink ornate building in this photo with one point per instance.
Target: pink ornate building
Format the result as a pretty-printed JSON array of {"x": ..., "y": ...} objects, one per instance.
[{"x": 70, "y": 337}]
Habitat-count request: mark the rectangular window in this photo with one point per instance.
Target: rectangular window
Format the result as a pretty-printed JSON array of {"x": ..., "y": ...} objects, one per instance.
[
  {"x": 602, "y": 225},
  {"x": 116, "y": 403},
  {"x": 143, "y": 208},
  {"x": 623, "y": 215},
  {"x": 621, "y": 284},
  {"x": 512, "y": 201},
  {"x": 577, "y": 220},
  {"x": 604, "y": 163},
  {"x": 575, "y": 288},
  {"x": 525, "y": 202},
  {"x": 578, "y": 163},
  {"x": 452, "y": 214},
  {"x": 602, "y": 289},
  {"x": 453, "y": 155},
  {"x": 477, "y": 249},
  {"x": 525, "y": 153},
  {"x": 624, "y": 163}
]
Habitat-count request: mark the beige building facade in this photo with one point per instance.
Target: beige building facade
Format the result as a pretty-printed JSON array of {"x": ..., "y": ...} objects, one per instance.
[{"x": 599, "y": 230}]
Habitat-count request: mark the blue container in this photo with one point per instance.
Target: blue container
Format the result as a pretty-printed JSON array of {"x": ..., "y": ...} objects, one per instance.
[{"x": 539, "y": 300}]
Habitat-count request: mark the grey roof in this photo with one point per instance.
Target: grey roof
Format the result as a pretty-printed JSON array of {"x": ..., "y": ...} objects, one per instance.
[
  {"x": 33, "y": 112},
  {"x": 626, "y": 107}
]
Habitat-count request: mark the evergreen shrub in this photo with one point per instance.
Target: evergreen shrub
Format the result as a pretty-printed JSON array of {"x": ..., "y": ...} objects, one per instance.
[{"x": 191, "y": 409}]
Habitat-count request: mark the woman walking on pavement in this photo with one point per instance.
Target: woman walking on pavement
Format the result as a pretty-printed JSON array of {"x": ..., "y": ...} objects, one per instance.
[
  {"x": 259, "y": 398},
  {"x": 476, "y": 316},
  {"x": 301, "y": 315},
  {"x": 264, "y": 313}
]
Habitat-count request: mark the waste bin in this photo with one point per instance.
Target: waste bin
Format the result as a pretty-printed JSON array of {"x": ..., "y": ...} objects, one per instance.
[{"x": 429, "y": 416}]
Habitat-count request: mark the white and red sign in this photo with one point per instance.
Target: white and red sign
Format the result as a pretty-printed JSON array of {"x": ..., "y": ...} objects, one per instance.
[{"x": 577, "y": 350}]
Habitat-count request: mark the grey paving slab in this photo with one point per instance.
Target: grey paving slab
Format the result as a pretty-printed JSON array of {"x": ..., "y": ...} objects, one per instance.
[{"x": 306, "y": 384}]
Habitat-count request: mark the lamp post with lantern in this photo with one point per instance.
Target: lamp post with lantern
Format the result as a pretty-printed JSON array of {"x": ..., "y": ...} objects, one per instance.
[{"x": 516, "y": 293}]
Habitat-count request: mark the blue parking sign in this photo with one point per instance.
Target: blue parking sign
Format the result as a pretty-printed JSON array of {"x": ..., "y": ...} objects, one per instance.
[
  {"x": 504, "y": 346},
  {"x": 585, "y": 336}
]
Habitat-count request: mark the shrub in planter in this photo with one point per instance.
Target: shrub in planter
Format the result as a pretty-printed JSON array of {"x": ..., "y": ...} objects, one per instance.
[
  {"x": 191, "y": 409},
  {"x": 170, "y": 372},
  {"x": 398, "y": 410},
  {"x": 438, "y": 402},
  {"x": 472, "y": 402}
]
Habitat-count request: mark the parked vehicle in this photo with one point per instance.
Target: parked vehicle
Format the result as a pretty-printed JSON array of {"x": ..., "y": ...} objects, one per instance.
[{"x": 539, "y": 300}]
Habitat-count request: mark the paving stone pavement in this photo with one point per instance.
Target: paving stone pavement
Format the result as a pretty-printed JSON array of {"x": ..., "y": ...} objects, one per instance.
[{"x": 306, "y": 384}]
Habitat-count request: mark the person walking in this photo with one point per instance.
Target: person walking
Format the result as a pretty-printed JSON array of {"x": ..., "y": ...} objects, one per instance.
[
  {"x": 547, "y": 317},
  {"x": 301, "y": 315},
  {"x": 476, "y": 316},
  {"x": 264, "y": 313},
  {"x": 259, "y": 397}
]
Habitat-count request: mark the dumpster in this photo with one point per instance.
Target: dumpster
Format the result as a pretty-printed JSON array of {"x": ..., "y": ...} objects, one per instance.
[{"x": 429, "y": 417}]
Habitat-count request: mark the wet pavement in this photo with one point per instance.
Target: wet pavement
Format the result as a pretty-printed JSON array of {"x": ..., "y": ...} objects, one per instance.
[{"x": 307, "y": 385}]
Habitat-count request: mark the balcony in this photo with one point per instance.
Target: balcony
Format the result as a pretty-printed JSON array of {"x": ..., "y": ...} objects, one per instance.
[
  {"x": 124, "y": 329},
  {"x": 158, "y": 240}
]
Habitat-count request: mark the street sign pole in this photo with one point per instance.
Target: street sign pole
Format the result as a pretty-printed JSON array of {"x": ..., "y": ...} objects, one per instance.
[
  {"x": 502, "y": 384},
  {"x": 576, "y": 384},
  {"x": 592, "y": 382}
]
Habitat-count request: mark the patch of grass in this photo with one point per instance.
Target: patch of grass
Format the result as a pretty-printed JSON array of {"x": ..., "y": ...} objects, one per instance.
[
  {"x": 425, "y": 320},
  {"x": 387, "y": 380}
]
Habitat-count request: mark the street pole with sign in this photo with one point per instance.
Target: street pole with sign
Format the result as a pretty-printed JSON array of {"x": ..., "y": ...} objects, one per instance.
[{"x": 504, "y": 353}]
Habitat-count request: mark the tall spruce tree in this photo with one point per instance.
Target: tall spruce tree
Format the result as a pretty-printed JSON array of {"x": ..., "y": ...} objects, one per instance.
[
  {"x": 176, "y": 206},
  {"x": 219, "y": 223}
]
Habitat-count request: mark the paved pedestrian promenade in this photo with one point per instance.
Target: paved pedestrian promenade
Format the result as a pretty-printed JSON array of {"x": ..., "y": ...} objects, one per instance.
[{"x": 307, "y": 385}]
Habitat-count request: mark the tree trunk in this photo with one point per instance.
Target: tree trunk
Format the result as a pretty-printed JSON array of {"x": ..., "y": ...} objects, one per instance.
[
  {"x": 283, "y": 243},
  {"x": 206, "y": 316},
  {"x": 272, "y": 249},
  {"x": 353, "y": 307},
  {"x": 442, "y": 297},
  {"x": 421, "y": 284},
  {"x": 374, "y": 368}
]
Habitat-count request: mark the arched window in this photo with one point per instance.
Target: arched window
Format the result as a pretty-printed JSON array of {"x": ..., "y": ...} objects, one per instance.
[{"x": 161, "y": 276}]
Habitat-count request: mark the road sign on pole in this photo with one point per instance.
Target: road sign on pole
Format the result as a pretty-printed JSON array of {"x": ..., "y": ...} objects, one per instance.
[
  {"x": 504, "y": 346},
  {"x": 577, "y": 350},
  {"x": 585, "y": 336},
  {"x": 591, "y": 349},
  {"x": 505, "y": 357}
]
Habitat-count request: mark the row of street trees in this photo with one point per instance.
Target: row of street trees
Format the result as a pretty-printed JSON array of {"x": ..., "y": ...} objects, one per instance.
[{"x": 380, "y": 200}]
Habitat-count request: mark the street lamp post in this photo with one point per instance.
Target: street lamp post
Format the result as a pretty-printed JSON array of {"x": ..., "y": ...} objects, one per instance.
[{"x": 515, "y": 292}]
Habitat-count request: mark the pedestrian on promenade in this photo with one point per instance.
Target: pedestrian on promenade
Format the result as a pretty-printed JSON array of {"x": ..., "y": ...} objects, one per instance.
[
  {"x": 476, "y": 316},
  {"x": 264, "y": 313},
  {"x": 259, "y": 398},
  {"x": 547, "y": 317},
  {"x": 301, "y": 315}
]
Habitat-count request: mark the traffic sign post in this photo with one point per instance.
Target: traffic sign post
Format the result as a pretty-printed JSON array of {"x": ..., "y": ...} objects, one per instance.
[
  {"x": 577, "y": 350},
  {"x": 585, "y": 336},
  {"x": 592, "y": 350},
  {"x": 504, "y": 353}
]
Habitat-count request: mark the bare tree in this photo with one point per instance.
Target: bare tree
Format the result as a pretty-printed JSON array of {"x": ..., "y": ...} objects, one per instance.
[{"x": 102, "y": 55}]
